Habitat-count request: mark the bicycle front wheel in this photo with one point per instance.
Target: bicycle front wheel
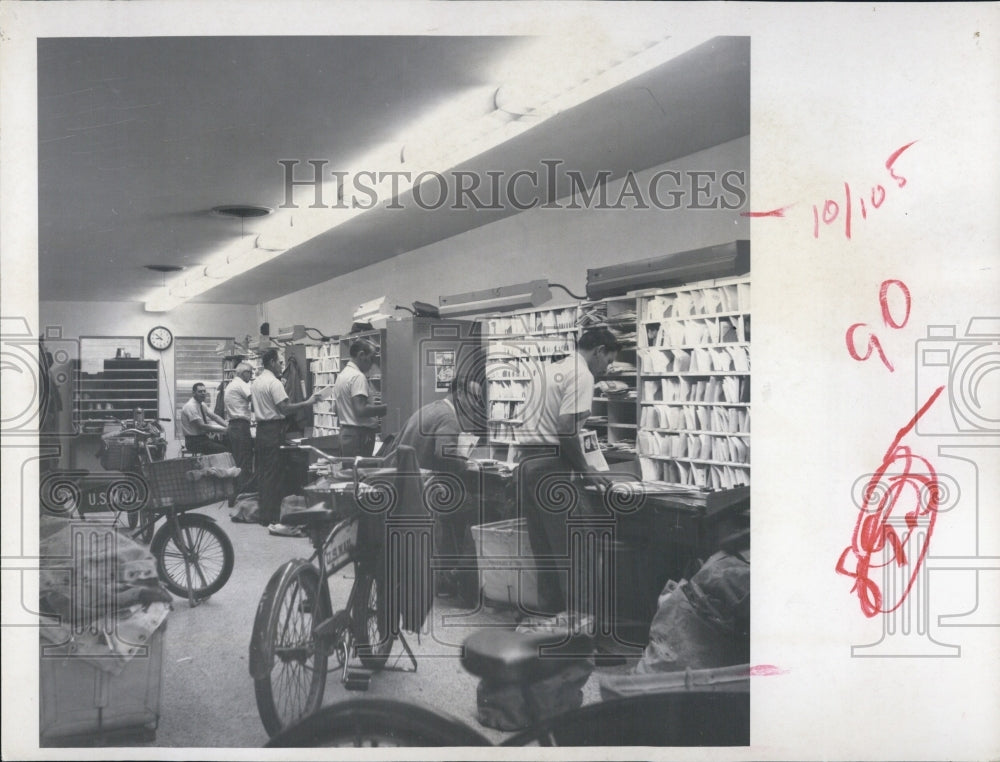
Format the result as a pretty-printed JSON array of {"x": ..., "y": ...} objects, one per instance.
[
  {"x": 288, "y": 663},
  {"x": 197, "y": 558},
  {"x": 371, "y": 623}
]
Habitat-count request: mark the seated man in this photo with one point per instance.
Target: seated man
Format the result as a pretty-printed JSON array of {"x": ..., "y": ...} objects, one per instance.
[
  {"x": 204, "y": 431},
  {"x": 433, "y": 432}
]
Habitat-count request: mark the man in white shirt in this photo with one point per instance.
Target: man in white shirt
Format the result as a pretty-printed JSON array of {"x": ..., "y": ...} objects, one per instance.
[
  {"x": 549, "y": 474},
  {"x": 358, "y": 416},
  {"x": 271, "y": 405},
  {"x": 237, "y": 400},
  {"x": 198, "y": 422}
]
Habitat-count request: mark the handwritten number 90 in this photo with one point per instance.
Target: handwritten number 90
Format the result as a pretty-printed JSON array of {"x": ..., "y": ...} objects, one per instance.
[{"x": 888, "y": 318}]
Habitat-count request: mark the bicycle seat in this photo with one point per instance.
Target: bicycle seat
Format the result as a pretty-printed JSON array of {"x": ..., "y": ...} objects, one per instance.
[
  {"x": 513, "y": 657},
  {"x": 316, "y": 516}
]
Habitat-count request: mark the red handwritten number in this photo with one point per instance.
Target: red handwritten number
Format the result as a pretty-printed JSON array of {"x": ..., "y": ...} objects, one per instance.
[
  {"x": 880, "y": 196},
  {"x": 872, "y": 531},
  {"x": 883, "y": 300},
  {"x": 891, "y": 161},
  {"x": 873, "y": 344}
]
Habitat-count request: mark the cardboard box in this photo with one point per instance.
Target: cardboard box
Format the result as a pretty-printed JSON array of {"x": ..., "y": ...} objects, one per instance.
[{"x": 507, "y": 572}]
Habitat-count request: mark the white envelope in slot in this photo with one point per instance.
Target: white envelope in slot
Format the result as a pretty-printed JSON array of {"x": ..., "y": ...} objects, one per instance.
[
  {"x": 740, "y": 357},
  {"x": 721, "y": 360},
  {"x": 682, "y": 304},
  {"x": 706, "y": 445},
  {"x": 644, "y": 417},
  {"x": 697, "y": 302},
  {"x": 669, "y": 472},
  {"x": 661, "y": 417},
  {"x": 683, "y": 472},
  {"x": 661, "y": 443},
  {"x": 730, "y": 299},
  {"x": 717, "y": 419},
  {"x": 647, "y": 443},
  {"x": 728, "y": 482},
  {"x": 713, "y": 392},
  {"x": 730, "y": 389},
  {"x": 650, "y": 469},
  {"x": 744, "y": 296},
  {"x": 741, "y": 451},
  {"x": 666, "y": 307},
  {"x": 692, "y": 447},
  {"x": 661, "y": 361},
  {"x": 650, "y": 391},
  {"x": 681, "y": 446},
  {"x": 704, "y": 418},
  {"x": 711, "y": 300},
  {"x": 690, "y": 418},
  {"x": 681, "y": 361},
  {"x": 745, "y": 422},
  {"x": 712, "y": 330},
  {"x": 694, "y": 332},
  {"x": 674, "y": 417},
  {"x": 699, "y": 475},
  {"x": 701, "y": 360},
  {"x": 715, "y": 478},
  {"x": 684, "y": 393},
  {"x": 644, "y": 361},
  {"x": 675, "y": 333}
]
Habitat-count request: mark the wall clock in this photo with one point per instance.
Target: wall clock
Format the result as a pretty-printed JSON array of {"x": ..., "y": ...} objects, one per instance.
[{"x": 160, "y": 338}]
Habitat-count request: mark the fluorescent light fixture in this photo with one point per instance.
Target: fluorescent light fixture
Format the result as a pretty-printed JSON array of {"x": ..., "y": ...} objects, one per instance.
[
  {"x": 530, "y": 294},
  {"x": 542, "y": 77},
  {"x": 725, "y": 260}
]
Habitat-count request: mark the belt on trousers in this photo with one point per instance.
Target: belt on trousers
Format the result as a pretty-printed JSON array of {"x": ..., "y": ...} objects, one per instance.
[
  {"x": 270, "y": 421},
  {"x": 359, "y": 428}
]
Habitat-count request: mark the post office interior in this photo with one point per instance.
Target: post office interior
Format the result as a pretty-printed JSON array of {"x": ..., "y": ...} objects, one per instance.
[{"x": 176, "y": 192}]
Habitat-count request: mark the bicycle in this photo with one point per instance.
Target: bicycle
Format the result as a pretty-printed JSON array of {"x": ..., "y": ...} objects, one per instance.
[
  {"x": 194, "y": 556},
  {"x": 708, "y": 707},
  {"x": 296, "y": 630}
]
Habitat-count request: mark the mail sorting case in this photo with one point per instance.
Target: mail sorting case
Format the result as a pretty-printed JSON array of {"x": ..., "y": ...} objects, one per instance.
[{"x": 81, "y": 702}]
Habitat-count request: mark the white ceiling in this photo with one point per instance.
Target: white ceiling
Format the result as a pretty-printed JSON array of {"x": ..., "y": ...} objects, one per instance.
[{"x": 140, "y": 137}]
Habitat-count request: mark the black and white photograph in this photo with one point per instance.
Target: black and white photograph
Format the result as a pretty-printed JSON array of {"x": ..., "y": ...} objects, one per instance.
[{"x": 379, "y": 375}]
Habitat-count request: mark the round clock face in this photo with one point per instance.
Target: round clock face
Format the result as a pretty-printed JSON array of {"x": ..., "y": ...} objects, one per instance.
[{"x": 160, "y": 338}]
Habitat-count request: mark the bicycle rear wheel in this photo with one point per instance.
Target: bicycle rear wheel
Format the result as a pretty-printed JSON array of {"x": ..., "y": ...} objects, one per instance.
[
  {"x": 371, "y": 624},
  {"x": 288, "y": 663},
  {"x": 198, "y": 547}
]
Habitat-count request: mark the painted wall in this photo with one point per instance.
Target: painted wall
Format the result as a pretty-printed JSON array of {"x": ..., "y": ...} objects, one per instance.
[
  {"x": 558, "y": 244},
  {"x": 78, "y": 319}
]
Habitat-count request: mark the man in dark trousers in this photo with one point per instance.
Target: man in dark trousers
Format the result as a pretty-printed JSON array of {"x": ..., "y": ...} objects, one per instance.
[
  {"x": 238, "y": 400},
  {"x": 433, "y": 432},
  {"x": 549, "y": 474},
  {"x": 271, "y": 405}
]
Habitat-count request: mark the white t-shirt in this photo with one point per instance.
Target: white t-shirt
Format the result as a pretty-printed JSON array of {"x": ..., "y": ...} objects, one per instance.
[
  {"x": 237, "y": 399},
  {"x": 267, "y": 391},
  {"x": 351, "y": 382},
  {"x": 565, "y": 387}
]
